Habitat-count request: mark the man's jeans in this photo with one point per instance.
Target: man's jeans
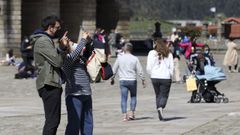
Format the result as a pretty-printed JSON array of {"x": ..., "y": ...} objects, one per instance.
[
  {"x": 80, "y": 118},
  {"x": 130, "y": 85}
]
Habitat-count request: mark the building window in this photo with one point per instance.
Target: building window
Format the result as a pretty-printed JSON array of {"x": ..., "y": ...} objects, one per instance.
[{"x": 191, "y": 24}]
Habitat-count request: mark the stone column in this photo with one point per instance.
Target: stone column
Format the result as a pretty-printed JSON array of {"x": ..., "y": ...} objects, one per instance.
[
  {"x": 89, "y": 15},
  {"x": 52, "y": 7},
  {"x": 205, "y": 30},
  {"x": 124, "y": 18},
  {"x": 10, "y": 26},
  {"x": 219, "y": 28},
  {"x": 3, "y": 30}
]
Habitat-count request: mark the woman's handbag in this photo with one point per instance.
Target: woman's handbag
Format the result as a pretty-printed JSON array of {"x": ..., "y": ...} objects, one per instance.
[
  {"x": 191, "y": 83},
  {"x": 93, "y": 66},
  {"x": 94, "y": 63},
  {"x": 106, "y": 71}
]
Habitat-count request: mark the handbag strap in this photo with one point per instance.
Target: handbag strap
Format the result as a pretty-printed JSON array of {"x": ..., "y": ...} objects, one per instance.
[{"x": 91, "y": 57}]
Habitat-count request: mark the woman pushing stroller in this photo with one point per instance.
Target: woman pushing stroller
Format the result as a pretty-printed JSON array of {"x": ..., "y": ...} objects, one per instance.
[{"x": 207, "y": 76}]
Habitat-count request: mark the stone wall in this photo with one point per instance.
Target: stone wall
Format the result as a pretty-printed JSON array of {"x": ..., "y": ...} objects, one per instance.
[
  {"x": 3, "y": 33},
  {"x": 107, "y": 14},
  {"x": 89, "y": 15},
  {"x": 21, "y": 17},
  {"x": 33, "y": 11},
  {"x": 124, "y": 17},
  {"x": 10, "y": 25},
  {"x": 78, "y": 13}
]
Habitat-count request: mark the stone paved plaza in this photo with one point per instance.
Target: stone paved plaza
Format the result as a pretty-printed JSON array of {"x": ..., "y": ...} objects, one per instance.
[{"x": 21, "y": 109}]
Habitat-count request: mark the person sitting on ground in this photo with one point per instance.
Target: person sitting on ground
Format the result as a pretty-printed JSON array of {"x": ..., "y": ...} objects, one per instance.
[
  {"x": 24, "y": 71},
  {"x": 10, "y": 59}
]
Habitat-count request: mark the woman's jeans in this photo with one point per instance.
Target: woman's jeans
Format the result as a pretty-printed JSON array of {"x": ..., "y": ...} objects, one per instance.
[
  {"x": 162, "y": 89},
  {"x": 80, "y": 118},
  {"x": 131, "y": 86}
]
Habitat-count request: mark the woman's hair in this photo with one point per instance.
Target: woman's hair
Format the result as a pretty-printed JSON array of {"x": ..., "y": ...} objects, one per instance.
[
  {"x": 162, "y": 49},
  {"x": 204, "y": 47}
]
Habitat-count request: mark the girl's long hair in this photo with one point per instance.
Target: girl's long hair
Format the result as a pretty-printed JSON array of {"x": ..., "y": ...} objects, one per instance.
[{"x": 162, "y": 49}]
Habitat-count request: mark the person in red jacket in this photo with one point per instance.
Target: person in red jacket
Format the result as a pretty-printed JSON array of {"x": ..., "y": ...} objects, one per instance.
[{"x": 188, "y": 46}]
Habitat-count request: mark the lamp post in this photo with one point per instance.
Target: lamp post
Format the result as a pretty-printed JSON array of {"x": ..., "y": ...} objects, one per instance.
[
  {"x": 157, "y": 33},
  {"x": 205, "y": 30},
  {"x": 217, "y": 18},
  {"x": 219, "y": 28},
  {"x": 213, "y": 10}
]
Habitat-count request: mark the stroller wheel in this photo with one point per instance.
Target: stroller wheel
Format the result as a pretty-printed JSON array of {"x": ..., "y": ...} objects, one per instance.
[
  {"x": 209, "y": 96},
  {"x": 197, "y": 98},
  {"x": 217, "y": 99},
  {"x": 225, "y": 100}
]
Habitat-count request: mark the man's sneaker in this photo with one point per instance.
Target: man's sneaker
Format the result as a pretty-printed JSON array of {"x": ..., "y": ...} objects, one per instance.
[{"x": 160, "y": 114}]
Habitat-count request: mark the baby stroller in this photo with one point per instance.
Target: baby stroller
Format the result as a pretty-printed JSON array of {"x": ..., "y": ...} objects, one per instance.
[{"x": 207, "y": 77}]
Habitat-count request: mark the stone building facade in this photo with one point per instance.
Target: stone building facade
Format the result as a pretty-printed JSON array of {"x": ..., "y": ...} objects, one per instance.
[{"x": 21, "y": 17}]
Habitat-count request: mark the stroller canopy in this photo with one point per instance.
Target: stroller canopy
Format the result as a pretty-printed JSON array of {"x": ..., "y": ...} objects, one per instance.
[{"x": 212, "y": 73}]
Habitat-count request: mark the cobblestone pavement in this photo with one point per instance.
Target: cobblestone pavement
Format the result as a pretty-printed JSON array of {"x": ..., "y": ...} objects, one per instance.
[{"x": 21, "y": 110}]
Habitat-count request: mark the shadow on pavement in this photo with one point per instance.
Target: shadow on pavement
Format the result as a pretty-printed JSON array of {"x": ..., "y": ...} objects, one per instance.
[
  {"x": 174, "y": 118},
  {"x": 143, "y": 118}
]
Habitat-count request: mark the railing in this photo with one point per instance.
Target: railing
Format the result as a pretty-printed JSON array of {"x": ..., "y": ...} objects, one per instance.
[{"x": 140, "y": 34}]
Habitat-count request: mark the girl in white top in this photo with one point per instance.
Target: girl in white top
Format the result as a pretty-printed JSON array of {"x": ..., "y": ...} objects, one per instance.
[{"x": 160, "y": 68}]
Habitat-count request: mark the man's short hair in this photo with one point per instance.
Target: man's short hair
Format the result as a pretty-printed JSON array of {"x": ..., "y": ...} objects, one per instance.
[
  {"x": 49, "y": 21},
  {"x": 128, "y": 46}
]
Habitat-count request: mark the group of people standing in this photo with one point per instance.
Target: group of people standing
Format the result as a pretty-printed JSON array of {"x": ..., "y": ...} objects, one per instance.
[
  {"x": 186, "y": 45},
  {"x": 56, "y": 64},
  {"x": 65, "y": 62}
]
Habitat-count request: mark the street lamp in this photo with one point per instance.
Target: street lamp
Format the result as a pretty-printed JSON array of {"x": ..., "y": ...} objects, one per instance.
[{"x": 213, "y": 10}]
